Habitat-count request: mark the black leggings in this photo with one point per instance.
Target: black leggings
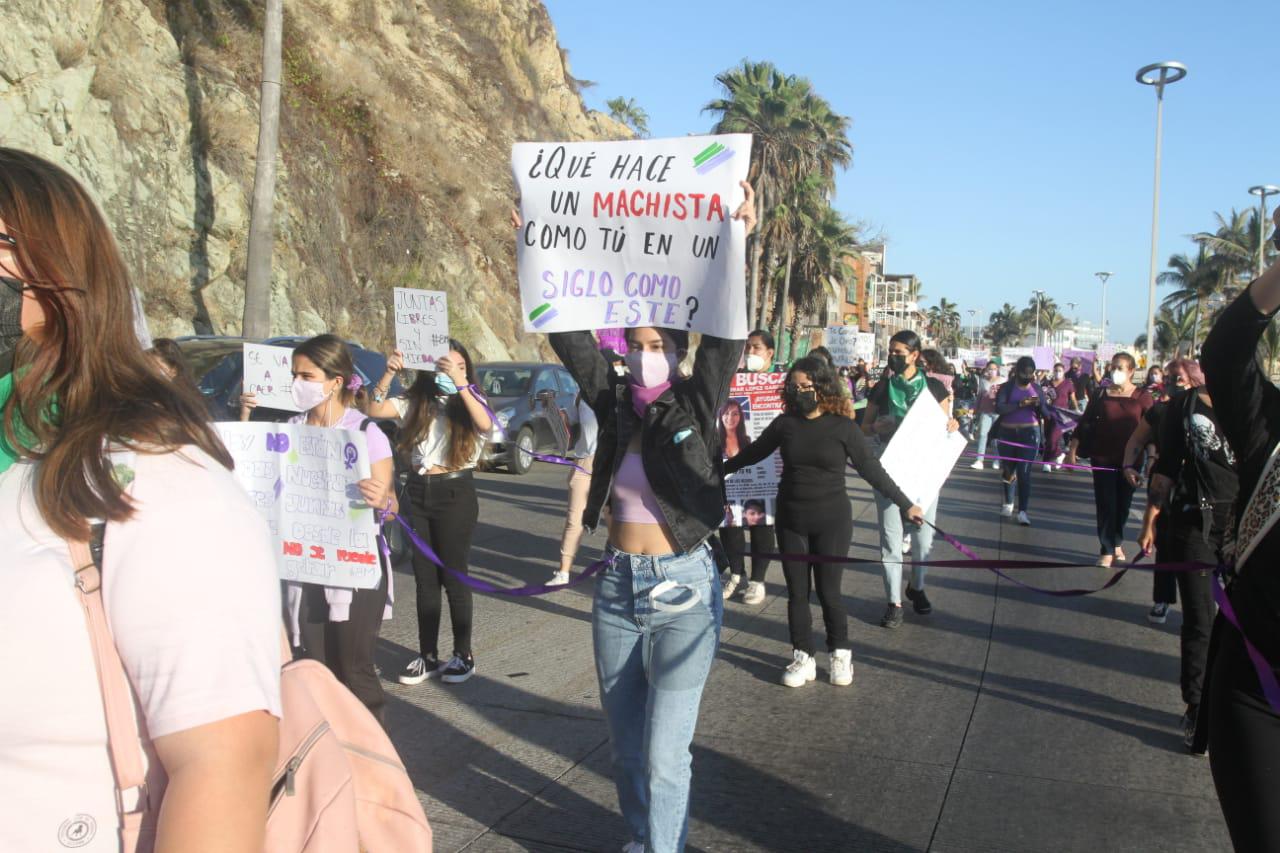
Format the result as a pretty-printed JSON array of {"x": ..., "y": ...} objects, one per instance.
[
  {"x": 1112, "y": 498},
  {"x": 347, "y": 647},
  {"x": 816, "y": 528},
  {"x": 1181, "y": 539},
  {"x": 763, "y": 541},
  {"x": 443, "y": 514},
  {"x": 1244, "y": 747}
]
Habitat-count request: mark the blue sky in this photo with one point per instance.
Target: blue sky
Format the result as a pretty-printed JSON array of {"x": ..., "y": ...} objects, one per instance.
[{"x": 1001, "y": 147}]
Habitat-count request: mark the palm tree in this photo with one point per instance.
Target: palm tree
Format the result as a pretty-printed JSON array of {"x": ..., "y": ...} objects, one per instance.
[
  {"x": 819, "y": 262},
  {"x": 1174, "y": 327},
  {"x": 1038, "y": 311},
  {"x": 256, "y": 324},
  {"x": 627, "y": 111},
  {"x": 1006, "y": 326},
  {"x": 1197, "y": 281},
  {"x": 1053, "y": 323},
  {"x": 1235, "y": 245}
]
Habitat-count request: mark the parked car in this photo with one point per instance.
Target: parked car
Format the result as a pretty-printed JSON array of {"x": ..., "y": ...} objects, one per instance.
[
  {"x": 535, "y": 407},
  {"x": 217, "y": 362}
]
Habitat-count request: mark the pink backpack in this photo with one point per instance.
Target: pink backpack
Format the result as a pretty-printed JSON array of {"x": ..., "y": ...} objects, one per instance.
[{"x": 339, "y": 785}]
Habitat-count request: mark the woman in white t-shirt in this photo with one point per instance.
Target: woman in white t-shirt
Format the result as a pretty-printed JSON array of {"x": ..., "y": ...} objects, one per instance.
[
  {"x": 444, "y": 424},
  {"x": 94, "y": 430}
]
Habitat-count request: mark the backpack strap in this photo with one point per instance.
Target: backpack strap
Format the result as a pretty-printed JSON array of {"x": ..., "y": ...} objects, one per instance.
[{"x": 124, "y": 743}]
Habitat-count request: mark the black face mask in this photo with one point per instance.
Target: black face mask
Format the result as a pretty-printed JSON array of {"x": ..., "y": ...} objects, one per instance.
[
  {"x": 10, "y": 321},
  {"x": 802, "y": 402},
  {"x": 898, "y": 363},
  {"x": 1022, "y": 379}
]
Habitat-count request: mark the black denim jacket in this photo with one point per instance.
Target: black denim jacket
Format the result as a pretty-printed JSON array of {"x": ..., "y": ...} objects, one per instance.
[{"x": 679, "y": 443}]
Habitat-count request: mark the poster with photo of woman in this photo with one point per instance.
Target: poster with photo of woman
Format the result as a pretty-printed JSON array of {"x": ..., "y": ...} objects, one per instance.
[{"x": 755, "y": 399}]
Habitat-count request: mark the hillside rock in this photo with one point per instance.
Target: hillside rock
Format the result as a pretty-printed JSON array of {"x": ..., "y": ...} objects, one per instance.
[{"x": 397, "y": 121}]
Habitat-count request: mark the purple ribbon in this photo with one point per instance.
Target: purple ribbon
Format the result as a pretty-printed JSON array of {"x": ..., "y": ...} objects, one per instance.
[
  {"x": 480, "y": 398},
  {"x": 485, "y": 586},
  {"x": 1016, "y": 459},
  {"x": 1266, "y": 674},
  {"x": 554, "y": 460}
]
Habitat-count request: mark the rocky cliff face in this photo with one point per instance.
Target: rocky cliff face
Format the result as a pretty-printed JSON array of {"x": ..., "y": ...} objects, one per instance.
[{"x": 397, "y": 121}]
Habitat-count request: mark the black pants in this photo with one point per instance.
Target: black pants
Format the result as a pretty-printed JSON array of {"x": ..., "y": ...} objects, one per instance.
[
  {"x": 443, "y": 514},
  {"x": 764, "y": 540},
  {"x": 1112, "y": 497},
  {"x": 1182, "y": 540},
  {"x": 1244, "y": 747},
  {"x": 816, "y": 528},
  {"x": 347, "y": 647}
]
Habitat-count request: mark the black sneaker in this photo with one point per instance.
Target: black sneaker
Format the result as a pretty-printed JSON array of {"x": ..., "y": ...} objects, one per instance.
[
  {"x": 892, "y": 617},
  {"x": 1189, "y": 729},
  {"x": 419, "y": 670},
  {"x": 919, "y": 601},
  {"x": 457, "y": 670}
]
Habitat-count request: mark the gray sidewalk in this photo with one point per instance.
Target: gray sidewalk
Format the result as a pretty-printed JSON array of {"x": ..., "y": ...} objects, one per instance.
[{"x": 1005, "y": 721}]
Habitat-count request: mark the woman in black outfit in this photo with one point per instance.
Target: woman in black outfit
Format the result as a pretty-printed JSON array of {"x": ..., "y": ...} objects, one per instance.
[
  {"x": 817, "y": 435},
  {"x": 1243, "y": 729}
]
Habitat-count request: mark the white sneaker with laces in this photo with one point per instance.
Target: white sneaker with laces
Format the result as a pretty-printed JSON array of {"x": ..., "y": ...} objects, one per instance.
[
  {"x": 977, "y": 465},
  {"x": 802, "y": 669},
  {"x": 1023, "y": 520},
  {"x": 841, "y": 667},
  {"x": 418, "y": 671},
  {"x": 559, "y": 579},
  {"x": 731, "y": 585},
  {"x": 1006, "y": 511},
  {"x": 754, "y": 593}
]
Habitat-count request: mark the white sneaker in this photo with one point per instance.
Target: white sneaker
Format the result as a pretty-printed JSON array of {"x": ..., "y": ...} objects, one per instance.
[
  {"x": 731, "y": 585},
  {"x": 802, "y": 669},
  {"x": 842, "y": 667},
  {"x": 1023, "y": 520},
  {"x": 1048, "y": 469},
  {"x": 633, "y": 847},
  {"x": 754, "y": 593},
  {"x": 977, "y": 465},
  {"x": 559, "y": 579},
  {"x": 1006, "y": 511}
]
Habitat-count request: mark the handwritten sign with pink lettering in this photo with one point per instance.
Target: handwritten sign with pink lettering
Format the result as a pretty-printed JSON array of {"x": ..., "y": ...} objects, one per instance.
[
  {"x": 422, "y": 326},
  {"x": 633, "y": 233}
]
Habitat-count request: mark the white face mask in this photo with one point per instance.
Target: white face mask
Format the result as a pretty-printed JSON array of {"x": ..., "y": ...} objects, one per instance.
[
  {"x": 1119, "y": 377},
  {"x": 308, "y": 394},
  {"x": 756, "y": 363},
  {"x": 651, "y": 368}
]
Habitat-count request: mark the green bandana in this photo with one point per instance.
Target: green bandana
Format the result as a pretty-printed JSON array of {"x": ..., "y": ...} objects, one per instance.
[
  {"x": 8, "y": 453},
  {"x": 903, "y": 392}
]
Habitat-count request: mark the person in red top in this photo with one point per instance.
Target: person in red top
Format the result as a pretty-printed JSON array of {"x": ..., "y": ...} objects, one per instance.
[
  {"x": 1061, "y": 395},
  {"x": 1108, "y": 421}
]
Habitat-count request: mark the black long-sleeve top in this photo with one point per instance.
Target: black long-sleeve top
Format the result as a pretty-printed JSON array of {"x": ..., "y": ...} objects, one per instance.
[
  {"x": 814, "y": 451},
  {"x": 1248, "y": 410}
]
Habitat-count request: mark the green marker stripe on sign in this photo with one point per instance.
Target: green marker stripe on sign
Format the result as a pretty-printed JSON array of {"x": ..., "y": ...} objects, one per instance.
[
  {"x": 539, "y": 311},
  {"x": 707, "y": 153}
]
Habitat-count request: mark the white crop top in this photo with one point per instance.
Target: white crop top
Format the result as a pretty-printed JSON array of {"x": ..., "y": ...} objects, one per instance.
[{"x": 433, "y": 451}]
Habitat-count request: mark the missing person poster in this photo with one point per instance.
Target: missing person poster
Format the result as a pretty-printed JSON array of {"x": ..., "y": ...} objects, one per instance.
[{"x": 755, "y": 399}]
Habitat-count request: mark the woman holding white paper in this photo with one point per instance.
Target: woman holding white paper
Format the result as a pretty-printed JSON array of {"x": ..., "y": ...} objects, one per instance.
[{"x": 886, "y": 407}]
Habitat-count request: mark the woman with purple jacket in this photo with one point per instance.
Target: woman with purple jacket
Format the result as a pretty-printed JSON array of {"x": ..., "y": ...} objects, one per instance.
[{"x": 1022, "y": 407}]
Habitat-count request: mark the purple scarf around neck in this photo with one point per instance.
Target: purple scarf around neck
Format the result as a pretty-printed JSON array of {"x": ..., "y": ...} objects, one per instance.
[{"x": 641, "y": 397}]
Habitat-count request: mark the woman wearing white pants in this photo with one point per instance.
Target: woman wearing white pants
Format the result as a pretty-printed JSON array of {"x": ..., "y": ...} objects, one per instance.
[{"x": 579, "y": 483}]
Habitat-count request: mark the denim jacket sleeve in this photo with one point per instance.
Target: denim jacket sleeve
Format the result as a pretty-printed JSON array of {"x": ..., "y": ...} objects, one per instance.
[{"x": 581, "y": 356}]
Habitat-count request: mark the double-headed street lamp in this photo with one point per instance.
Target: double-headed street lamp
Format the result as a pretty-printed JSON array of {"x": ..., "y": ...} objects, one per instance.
[
  {"x": 1159, "y": 75},
  {"x": 1103, "y": 276},
  {"x": 1262, "y": 191},
  {"x": 973, "y": 328}
]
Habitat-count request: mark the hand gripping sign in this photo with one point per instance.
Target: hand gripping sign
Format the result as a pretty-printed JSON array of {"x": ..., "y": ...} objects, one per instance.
[{"x": 633, "y": 233}]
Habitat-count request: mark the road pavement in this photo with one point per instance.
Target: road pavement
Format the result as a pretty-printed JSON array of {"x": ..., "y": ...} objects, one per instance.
[{"x": 1004, "y": 721}]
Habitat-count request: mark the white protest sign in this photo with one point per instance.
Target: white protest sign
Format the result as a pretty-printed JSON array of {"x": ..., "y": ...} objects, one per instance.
[
  {"x": 1009, "y": 355},
  {"x": 847, "y": 344},
  {"x": 422, "y": 326},
  {"x": 303, "y": 481},
  {"x": 922, "y": 453},
  {"x": 632, "y": 233},
  {"x": 268, "y": 374},
  {"x": 971, "y": 356},
  {"x": 865, "y": 348}
]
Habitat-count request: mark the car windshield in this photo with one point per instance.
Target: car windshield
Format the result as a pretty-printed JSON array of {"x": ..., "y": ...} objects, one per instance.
[{"x": 505, "y": 381}]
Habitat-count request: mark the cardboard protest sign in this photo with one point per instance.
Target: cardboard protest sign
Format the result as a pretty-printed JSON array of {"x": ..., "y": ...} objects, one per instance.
[
  {"x": 632, "y": 233},
  {"x": 847, "y": 344},
  {"x": 971, "y": 356},
  {"x": 422, "y": 326},
  {"x": 303, "y": 481},
  {"x": 755, "y": 399},
  {"x": 922, "y": 453},
  {"x": 1045, "y": 359},
  {"x": 268, "y": 374}
]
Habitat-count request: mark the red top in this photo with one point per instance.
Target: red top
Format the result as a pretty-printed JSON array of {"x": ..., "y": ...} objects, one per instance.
[{"x": 1114, "y": 419}]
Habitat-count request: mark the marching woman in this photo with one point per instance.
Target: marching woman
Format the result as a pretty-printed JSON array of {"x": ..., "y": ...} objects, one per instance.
[
  {"x": 188, "y": 580},
  {"x": 1022, "y": 408},
  {"x": 902, "y": 384},
  {"x": 817, "y": 436},
  {"x": 658, "y": 605},
  {"x": 584, "y": 450},
  {"x": 444, "y": 421},
  {"x": 1243, "y": 728}
]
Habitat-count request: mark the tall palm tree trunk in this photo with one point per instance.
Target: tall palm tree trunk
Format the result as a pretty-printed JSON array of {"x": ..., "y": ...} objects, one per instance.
[
  {"x": 782, "y": 303},
  {"x": 1195, "y": 330},
  {"x": 757, "y": 250},
  {"x": 257, "y": 288}
]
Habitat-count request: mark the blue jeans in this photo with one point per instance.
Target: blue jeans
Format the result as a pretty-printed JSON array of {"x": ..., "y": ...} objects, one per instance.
[
  {"x": 1021, "y": 470},
  {"x": 892, "y": 530},
  {"x": 655, "y": 627},
  {"x": 985, "y": 421}
]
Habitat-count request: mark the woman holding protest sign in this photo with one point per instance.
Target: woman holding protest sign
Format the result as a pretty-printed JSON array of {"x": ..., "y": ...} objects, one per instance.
[
  {"x": 903, "y": 383},
  {"x": 445, "y": 421},
  {"x": 94, "y": 430},
  {"x": 817, "y": 436},
  {"x": 339, "y": 626}
]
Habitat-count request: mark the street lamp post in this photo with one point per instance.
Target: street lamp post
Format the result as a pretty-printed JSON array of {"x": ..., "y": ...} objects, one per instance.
[
  {"x": 1159, "y": 75},
  {"x": 1039, "y": 296},
  {"x": 973, "y": 328},
  {"x": 1262, "y": 191},
  {"x": 1071, "y": 306},
  {"x": 1103, "y": 276}
]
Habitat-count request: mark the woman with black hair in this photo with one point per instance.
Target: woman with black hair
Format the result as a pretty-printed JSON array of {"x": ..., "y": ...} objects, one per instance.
[
  {"x": 444, "y": 423},
  {"x": 817, "y": 436},
  {"x": 904, "y": 381},
  {"x": 1023, "y": 408}
]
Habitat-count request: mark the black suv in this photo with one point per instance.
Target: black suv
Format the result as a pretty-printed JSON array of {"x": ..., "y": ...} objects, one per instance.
[{"x": 535, "y": 405}]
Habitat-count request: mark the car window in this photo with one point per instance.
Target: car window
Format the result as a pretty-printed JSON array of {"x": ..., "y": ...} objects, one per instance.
[
  {"x": 546, "y": 381},
  {"x": 567, "y": 385},
  {"x": 505, "y": 381}
]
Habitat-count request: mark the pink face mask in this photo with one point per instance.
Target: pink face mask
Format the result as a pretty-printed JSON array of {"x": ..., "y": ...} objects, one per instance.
[{"x": 650, "y": 369}]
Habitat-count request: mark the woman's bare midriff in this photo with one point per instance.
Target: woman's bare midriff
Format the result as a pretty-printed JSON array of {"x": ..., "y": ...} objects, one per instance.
[{"x": 651, "y": 540}]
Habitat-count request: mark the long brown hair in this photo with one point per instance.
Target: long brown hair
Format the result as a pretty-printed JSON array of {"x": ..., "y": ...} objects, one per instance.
[
  {"x": 333, "y": 357},
  {"x": 425, "y": 406},
  {"x": 87, "y": 384}
]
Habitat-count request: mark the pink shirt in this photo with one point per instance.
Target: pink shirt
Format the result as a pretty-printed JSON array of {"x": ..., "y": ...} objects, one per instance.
[{"x": 633, "y": 499}]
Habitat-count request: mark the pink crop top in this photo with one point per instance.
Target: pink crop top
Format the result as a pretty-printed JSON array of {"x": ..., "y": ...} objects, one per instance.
[{"x": 633, "y": 500}]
